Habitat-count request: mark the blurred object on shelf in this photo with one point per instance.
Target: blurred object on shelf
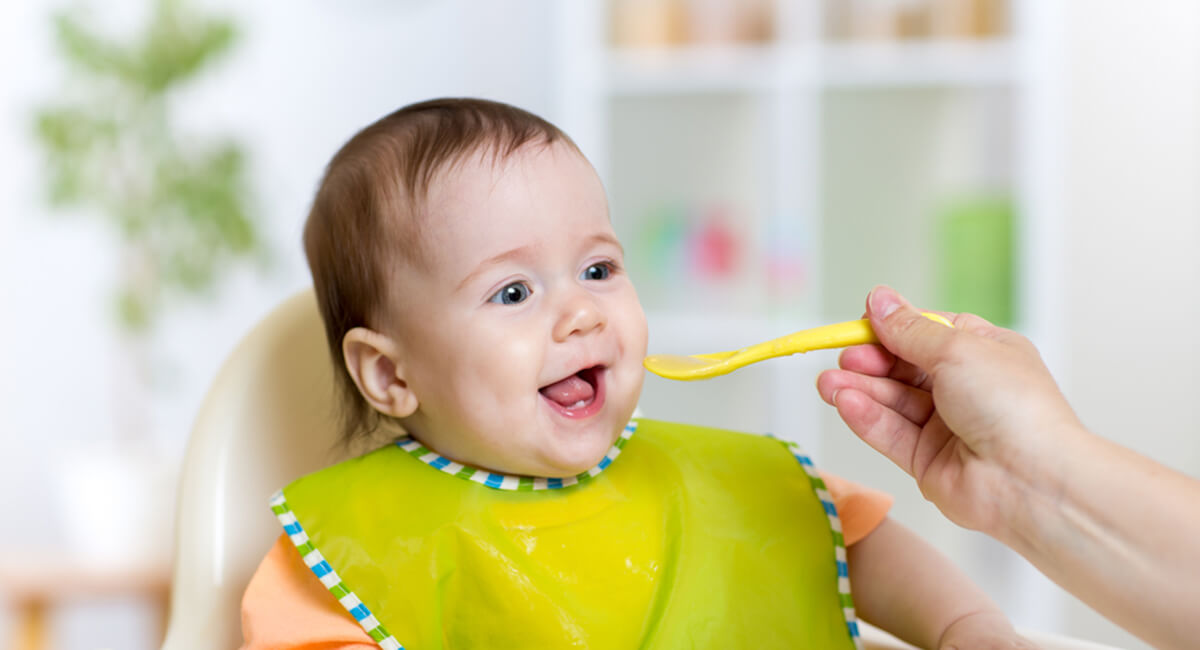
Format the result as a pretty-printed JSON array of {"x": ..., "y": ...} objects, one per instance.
[
  {"x": 658, "y": 250},
  {"x": 661, "y": 23},
  {"x": 648, "y": 23},
  {"x": 891, "y": 20},
  {"x": 970, "y": 18},
  {"x": 787, "y": 265},
  {"x": 713, "y": 246},
  {"x": 666, "y": 23},
  {"x": 730, "y": 21},
  {"x": 687, "y": 255},
  {"x": 913, "y": 21},
  {"x": 965, "y": 19},
  {"x": 975, "y": 242},
  {"x": 876, "y": 20},
  {"x": 35, "y": 583}
]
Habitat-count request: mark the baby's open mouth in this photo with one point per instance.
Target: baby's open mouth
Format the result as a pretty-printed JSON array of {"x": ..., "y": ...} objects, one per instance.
[{"x": 574, "y": 394}]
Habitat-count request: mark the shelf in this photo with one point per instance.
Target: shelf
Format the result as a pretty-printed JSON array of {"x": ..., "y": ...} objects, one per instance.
[
  {"x": 766, "y": 68},
  {"x": 948, "y": 63},
  {"x": 809, "y": 143},
  {"x": 692, "y": 69}
]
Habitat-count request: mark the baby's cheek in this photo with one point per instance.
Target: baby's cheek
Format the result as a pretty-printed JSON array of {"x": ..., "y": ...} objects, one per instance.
[
  {"x": 638, "y": 332},
  {"x": 515, "y": 358},
  {"x": 641, "y": 341}
]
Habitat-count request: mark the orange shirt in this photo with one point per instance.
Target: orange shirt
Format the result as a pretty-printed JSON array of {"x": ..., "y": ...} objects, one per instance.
[{"x": 286, "y": 606}]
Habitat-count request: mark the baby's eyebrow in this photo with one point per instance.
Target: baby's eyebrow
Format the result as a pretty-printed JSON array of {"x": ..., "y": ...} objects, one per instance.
[
  {"x": 519, "y": 253},
  {"x": 528, "y": 252},
  {"x": 605, "y": 238}
]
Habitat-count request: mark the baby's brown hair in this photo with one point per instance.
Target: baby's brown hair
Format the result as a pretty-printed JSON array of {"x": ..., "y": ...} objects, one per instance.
[{"x": 364, "y": 222}]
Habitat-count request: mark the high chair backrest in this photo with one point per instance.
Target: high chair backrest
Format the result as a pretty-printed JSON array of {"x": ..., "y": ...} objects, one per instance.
[{"x": 267, "y": 419}]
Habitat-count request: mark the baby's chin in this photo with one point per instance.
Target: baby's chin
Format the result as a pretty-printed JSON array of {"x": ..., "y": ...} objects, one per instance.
[
  {"x": 564, "y": 467},
  {"x": 570, "y": 462}
]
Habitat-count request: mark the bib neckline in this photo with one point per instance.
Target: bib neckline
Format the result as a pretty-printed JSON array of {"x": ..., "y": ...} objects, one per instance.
[{"x": 500, "y": 481}]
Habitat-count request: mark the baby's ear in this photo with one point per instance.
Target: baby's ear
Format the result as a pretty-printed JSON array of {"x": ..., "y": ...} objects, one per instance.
[{"x": 374, "y": 363}]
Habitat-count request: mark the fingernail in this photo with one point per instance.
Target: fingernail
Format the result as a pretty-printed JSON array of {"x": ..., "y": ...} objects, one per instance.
[
  {"x": 884, "y": 301},
  {"x": 833, "y": 397}
]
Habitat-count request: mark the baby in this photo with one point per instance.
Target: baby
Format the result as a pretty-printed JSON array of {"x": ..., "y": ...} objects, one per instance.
[{"x": 475, "y": 302}]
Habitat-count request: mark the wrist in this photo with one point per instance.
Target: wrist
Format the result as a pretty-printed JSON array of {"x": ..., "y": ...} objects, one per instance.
[
  {"x": 969, "y": 629},
  {"x": 1038, "y": 481}
]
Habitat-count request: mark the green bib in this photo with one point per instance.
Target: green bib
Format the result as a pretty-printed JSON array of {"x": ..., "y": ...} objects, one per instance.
[{"x": 682, "y": 537}]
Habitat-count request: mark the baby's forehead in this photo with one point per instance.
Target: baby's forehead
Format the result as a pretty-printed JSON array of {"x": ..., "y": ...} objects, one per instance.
[
  {"x": 490, "y": 186},
  {"x": 422, "y": 225},
  {"x": 483, "y": 167},
  {"x": 426, "y": 205},
  {"x": 490, "y": 183}
]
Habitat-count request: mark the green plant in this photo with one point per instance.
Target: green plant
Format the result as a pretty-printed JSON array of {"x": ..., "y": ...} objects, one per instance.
[{"x": 179, "y": 204}]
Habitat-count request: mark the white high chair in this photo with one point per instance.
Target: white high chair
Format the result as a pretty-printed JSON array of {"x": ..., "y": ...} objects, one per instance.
[{"x": 267, "y": 419}]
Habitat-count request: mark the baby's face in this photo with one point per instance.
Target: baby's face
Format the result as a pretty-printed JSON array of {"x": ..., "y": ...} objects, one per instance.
[{"x": 523, "y": 337}]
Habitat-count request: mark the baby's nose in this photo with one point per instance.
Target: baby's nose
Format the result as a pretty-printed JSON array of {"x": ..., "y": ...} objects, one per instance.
[{"x": 581, "y": 314}]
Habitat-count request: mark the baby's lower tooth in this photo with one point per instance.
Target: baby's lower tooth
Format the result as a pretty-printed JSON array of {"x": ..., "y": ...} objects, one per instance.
[{"x": 577, "y": 404}]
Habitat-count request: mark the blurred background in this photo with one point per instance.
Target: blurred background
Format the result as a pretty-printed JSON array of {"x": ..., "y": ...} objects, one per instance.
[{"x": 768, "y": 162}]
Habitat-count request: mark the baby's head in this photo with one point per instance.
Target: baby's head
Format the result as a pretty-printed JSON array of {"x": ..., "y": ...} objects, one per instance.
[{"x": 473, "y": 289}]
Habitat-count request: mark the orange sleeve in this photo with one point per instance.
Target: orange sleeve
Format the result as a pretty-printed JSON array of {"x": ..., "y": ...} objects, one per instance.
[
  {"x": 286, "y": 607},
  {"x": 859, "y": 507}
]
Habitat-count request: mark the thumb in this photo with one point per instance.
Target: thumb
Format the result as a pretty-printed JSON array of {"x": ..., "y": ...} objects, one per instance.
[{"x": 904, "y": 331}]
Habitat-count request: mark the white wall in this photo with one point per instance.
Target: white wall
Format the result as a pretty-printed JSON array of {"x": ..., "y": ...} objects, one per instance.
[{"x": 1132, "y": 203}]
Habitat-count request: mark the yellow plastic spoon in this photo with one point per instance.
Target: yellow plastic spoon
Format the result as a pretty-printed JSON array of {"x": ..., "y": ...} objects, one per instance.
[{"x": 706, "y": 366}]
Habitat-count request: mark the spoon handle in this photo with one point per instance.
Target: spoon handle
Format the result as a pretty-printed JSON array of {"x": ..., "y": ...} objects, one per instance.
[{"x": 838, "y": 335}]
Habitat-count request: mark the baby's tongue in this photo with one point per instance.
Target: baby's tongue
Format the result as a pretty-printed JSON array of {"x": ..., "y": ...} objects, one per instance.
[{"x": 569, "y": 391}]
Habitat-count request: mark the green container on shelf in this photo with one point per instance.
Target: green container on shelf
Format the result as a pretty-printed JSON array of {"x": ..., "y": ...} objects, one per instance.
[{"x": 975, "y": 249}]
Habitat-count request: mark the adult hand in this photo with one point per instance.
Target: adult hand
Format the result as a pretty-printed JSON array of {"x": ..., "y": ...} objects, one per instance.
[{"x": 972, "y": 412}]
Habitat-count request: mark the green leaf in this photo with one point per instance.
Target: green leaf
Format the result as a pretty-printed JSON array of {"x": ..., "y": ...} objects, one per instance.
[
  {"x": 133, "y": 310},
  {"x": 89, "y": 52},
  {"x": 178, "y": 45}
]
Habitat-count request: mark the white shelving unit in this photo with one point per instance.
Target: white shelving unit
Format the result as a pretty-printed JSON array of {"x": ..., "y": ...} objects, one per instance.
[
  {"x": 771, "y": 130},
  {"x": 835, "y": 155}
]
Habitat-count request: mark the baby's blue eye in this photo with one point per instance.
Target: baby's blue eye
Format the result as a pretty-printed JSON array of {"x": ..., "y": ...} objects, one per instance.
[
  {"x": 511, "y": 294},
  {"x": 597, "y": 272}
]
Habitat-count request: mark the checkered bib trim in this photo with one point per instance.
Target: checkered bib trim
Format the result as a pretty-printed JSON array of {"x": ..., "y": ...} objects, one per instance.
[
  {"x": 839, "y": 542},
  {"x": 328, "y": 577},
  {"x": 505, "y": 481}
]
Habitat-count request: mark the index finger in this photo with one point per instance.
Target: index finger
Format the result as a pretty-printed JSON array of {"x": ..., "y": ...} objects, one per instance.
[{"x": 875, "y": 360}]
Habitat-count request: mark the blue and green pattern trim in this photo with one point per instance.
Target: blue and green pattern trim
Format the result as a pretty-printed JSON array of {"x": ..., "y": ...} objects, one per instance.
[
  {"x": 509, "y": 482},
  {"x": 328, "y": 577},
  {"x": 839, "y": 542}
]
